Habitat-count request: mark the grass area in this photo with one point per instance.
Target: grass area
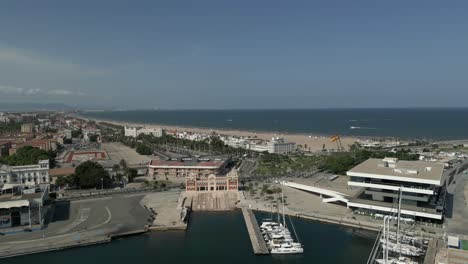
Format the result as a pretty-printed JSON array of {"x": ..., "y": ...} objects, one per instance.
[
  {"x": 280, "y": 165},
  {"x": 464, "y": 245},
  {"x": 336, "y": 163}
]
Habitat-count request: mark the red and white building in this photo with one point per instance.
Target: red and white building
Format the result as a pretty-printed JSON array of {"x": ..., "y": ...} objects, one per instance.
[
  {"x": 198, "y": 174},
  {"x": 194, "y": 183}
]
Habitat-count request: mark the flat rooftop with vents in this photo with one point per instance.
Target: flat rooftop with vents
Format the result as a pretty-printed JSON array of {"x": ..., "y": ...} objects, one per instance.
[{"x": 400, "y": 170}]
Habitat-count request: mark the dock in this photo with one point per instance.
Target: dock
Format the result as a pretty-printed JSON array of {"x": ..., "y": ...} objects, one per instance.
[
  {"x": 258, "y": 243},
  {"x": 46, "y": 247}
]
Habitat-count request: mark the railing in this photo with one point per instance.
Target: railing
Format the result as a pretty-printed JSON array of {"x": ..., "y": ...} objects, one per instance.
[
  {"x": 375, "y": 249},
  {"x": 54, "y": 246},
  {"x": 93, "y": 193}
]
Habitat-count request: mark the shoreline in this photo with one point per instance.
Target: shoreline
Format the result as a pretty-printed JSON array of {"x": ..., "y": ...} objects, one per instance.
[{"x": 314, "y": 142}]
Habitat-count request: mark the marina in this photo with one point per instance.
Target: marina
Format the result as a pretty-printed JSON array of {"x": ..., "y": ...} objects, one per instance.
[
  {"x": 212, "y": 236},
  {"x": 258, "y": 244}
]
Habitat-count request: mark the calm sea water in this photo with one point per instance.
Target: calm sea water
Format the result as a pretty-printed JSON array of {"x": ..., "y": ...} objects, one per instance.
[
  {"x": 214, "y": 238},
  {"x": 448, "y": 123}
]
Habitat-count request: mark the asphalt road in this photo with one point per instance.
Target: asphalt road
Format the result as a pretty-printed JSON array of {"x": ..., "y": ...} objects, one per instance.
[
  {"x": 456, "y": 208},
  {"x": 111, "y": 214}
]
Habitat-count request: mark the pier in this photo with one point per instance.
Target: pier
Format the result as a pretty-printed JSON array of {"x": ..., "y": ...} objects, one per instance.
[{"x": 258, "y": 243}]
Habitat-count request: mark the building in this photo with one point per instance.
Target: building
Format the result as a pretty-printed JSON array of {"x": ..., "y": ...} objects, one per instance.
[
  {"x": 136, "y": 131},
  {"x": 420, "y": 182},
  {"x": 130, "y": 131},
  {"x": 208, "y": 183},
  {"x": 44, "y": 144},
  {"x": 27, "y": 128},
  {"x": 23, "y": 206},
  {"x": 60, "y": 172},
  {"x": 275, "y": 145},
  {"x": 28, "y": 175},
  {"x": 180, "y": 168},
  {"x": 5, "y": 148},
  {"x": 67, "y": 133},
  {"x": 91, "y": 134}
]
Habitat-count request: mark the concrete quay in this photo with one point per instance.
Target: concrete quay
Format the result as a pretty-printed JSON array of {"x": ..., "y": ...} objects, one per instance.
[
  {"x": 79, "y": 223},
  {"x": 60, "y": 242},
  {"x": 166, "y": 208},
  {"x": 258, "y": 243}
]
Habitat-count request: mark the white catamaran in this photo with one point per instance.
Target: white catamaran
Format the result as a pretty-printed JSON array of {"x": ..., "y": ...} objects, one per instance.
[{"x": 278, "y": 237}]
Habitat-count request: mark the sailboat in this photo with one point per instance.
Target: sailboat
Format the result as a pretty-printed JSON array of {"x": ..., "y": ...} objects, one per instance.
[{"x": 278, "y": 236}]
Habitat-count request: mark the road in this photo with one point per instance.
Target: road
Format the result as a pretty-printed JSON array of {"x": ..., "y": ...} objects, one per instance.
[
  {"x": 456, "y": 207},
  {"x": 97, "y": 216}
]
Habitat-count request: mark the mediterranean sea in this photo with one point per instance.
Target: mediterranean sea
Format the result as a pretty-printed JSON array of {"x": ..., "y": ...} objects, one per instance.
[{"x": 405, "y": 123}]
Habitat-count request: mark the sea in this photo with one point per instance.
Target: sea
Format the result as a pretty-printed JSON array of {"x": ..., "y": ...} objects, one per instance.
[
  {"x": 403, "y": 123},
  {"x": 214, "y": 238}
]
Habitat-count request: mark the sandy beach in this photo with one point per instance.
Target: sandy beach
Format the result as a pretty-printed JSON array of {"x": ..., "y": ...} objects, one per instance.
[{"x": 307, "y": 141}]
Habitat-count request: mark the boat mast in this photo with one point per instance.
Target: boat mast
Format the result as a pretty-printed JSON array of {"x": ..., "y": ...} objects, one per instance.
[
  {"x": 386, "y": 219},
  {"x": 282, "y": 201},
  {"x": 398, "y": 222}
]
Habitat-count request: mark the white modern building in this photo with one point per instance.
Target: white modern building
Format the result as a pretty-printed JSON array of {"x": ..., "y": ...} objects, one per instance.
[
  {"x": 275, "y": 145},
  {"x": 28, "y": 175},
  {"x": 136, "y": 131},
  {"x": 382, "y": 180}
]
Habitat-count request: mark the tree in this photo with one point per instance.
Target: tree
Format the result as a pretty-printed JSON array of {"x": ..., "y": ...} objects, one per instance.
[
  {"x": 61, "y": 181},
  {"x": 123, "y": 164},
  {"x": 143, "y": 149},
  {"x": 28, "y": 155},
  {"x": 93, "y": 138},
  {"x": 131, "y": 174},
  {"x": 77, "y": 133},
  {"x": 89, "y": 174}
]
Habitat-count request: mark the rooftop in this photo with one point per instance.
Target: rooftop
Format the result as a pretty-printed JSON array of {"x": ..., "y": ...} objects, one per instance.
[
  {"x": 189, "y": 162},
  {"x": 410, "y": 170},
  {"x": 61, "y": 171}
]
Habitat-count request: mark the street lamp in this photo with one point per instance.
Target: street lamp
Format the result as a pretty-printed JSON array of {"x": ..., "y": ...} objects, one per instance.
[{"x": 102, "y": 183}]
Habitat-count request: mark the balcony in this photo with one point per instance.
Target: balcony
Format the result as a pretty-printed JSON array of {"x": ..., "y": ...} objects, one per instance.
[{"x": 392, "y": 186}]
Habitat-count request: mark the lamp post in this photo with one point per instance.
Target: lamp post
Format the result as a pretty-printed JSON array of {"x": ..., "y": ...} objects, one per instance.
[{"x": 102, "y": 183}]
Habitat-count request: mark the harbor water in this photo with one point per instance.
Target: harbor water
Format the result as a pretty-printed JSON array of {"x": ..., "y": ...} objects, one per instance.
[
  {"x": 431, "y": 123},
  {"x": 217, "y": 238}
]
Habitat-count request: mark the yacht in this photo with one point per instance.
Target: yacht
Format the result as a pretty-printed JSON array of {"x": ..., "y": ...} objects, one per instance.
[
  {"x": 287, "y": 248},
  {"x": 400, "y": 260},
  {"x": 278, "y": 237}
]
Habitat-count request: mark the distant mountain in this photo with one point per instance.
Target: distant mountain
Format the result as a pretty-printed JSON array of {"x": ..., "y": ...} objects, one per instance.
[{"x": 9, "y": 106}]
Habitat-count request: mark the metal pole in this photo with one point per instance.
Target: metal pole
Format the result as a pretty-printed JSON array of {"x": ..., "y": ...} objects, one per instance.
[
  {"x": 40, "y": 215},
  {"x": 29, "y": 211},
  {"x": 398, "y": 223},
  {"x": 386, "y": 238}
]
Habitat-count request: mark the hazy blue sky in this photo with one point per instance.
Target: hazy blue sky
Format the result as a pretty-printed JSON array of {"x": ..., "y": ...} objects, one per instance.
[{"x": 235, "y": 54}]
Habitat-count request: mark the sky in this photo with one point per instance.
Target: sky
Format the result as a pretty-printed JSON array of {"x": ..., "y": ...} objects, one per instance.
[{"x": 224, "y": 54}]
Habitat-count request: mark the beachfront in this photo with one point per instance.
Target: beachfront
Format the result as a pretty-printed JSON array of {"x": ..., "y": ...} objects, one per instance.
[{"x": 308, "y": 142}]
